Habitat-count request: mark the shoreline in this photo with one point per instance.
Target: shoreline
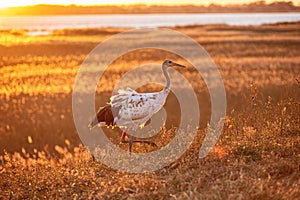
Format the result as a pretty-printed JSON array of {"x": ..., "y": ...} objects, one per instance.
[{"x": 49, "y": 23}]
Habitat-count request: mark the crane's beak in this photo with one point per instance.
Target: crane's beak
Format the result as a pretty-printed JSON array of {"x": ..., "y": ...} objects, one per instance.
[{"x": 178, "y": 65}]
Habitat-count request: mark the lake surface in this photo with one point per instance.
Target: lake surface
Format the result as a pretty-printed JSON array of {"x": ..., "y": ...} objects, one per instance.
[{"x": 50, "y": 23}]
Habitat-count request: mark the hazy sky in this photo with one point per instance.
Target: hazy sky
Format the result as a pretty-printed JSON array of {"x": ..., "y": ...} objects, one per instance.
[{"x": 8, "y": 3}]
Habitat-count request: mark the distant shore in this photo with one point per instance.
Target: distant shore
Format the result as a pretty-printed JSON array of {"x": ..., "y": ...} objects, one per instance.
[{"x": 44, "y": 9}]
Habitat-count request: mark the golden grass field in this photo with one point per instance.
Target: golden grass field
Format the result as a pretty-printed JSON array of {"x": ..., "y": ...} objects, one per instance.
[{"x": 257, "y": 156}]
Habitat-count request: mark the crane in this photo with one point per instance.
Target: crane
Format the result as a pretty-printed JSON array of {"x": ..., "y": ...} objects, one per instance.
[{"x": 130, "y": 110}]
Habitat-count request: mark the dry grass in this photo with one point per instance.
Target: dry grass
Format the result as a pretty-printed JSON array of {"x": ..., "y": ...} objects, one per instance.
[{"x": 257, "y": 156}]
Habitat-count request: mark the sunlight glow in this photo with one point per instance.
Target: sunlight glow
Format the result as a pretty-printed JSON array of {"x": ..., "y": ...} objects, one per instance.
[{"x": 14, "y": 3}]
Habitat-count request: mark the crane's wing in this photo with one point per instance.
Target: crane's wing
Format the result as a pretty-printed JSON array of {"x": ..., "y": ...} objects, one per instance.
[{"x": 135, "y": 109}]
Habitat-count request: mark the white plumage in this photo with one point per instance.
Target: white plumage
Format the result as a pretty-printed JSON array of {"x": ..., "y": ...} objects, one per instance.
[{"x": 132, "y": 109}]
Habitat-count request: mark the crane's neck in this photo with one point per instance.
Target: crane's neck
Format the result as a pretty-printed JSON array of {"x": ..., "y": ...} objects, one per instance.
[{"x": 168, "y": 84}]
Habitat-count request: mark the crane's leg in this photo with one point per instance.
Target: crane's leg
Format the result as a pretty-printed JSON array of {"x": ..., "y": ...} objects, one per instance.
[
  {"x": 131, "y": 141},
  {"x": 130, "y": 144}
]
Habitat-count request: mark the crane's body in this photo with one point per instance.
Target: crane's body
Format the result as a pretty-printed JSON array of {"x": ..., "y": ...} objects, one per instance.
[
  {"x": 130, "y": 110},
  {"x": 134, "y": 109}
]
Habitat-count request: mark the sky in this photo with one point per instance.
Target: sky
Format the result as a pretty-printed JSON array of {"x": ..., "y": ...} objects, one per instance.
[{"x": 11, "y": 3}]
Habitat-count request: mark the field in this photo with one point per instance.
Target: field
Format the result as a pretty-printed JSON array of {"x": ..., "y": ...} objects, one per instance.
[{"x": 256, "y": 157}]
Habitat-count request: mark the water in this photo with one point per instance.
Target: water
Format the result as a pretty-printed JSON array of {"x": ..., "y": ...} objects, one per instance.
[{"x": 44, "y": 24}]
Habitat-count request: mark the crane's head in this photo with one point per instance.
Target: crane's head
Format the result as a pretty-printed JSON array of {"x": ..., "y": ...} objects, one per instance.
[{"x": 169, "y": 63}]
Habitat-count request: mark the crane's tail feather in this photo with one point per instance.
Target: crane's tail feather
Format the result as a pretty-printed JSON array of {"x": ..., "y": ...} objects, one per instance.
[{"x": 93, "y": 123}]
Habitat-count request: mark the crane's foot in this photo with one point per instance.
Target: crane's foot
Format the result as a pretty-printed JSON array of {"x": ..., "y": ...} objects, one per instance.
[
  {"x": 131, "y": 141},
  {"x": 93, "y": 158}
]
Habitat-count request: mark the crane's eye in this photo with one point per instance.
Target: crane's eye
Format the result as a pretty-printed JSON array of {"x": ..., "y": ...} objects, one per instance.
[{"x": 169, "y": 62}]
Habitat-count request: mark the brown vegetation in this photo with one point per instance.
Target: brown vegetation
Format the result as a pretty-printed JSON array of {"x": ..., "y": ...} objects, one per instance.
[{"x": 257, "y": 156}]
